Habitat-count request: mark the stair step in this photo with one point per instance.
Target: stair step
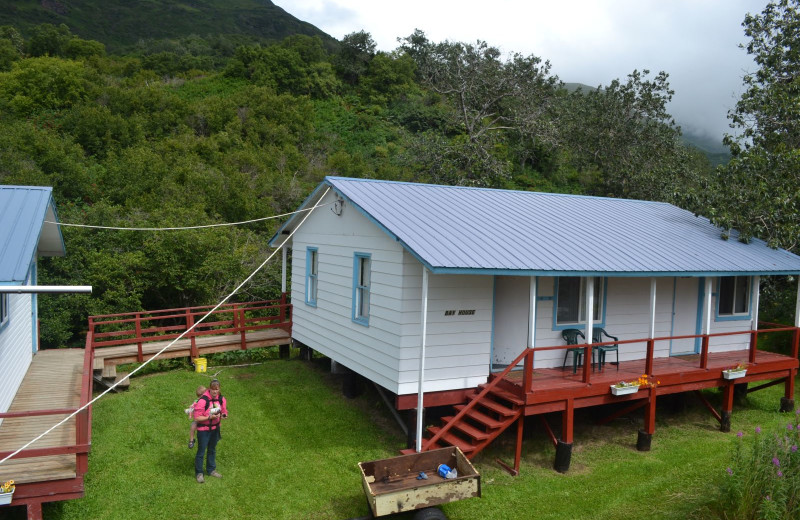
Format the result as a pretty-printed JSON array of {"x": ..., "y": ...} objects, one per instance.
[
  {"x": 505, "y": 394},
  {"x": 472, "y": 431},
  {"x": 453, "y": 440},
  {"x": 494, "y": 406},
  {"x": 482, "y": 418}
]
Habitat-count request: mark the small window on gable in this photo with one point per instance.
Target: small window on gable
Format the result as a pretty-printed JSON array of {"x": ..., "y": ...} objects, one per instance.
[
  {"x": 733, "y": 296},
  {"x": 3, "y": 309},
  {"x": 570, "y": 298},
  {"x": 361, "y": 288},
  {"x": 312, "y": 272}
]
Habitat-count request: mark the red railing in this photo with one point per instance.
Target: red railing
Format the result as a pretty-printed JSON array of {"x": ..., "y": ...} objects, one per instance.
[
  {"x": 163, "y": 325},
  {"x": 527, "y": 356},
  {"x": 83, "y": 423},
  {"x": 650, "y": 353}
]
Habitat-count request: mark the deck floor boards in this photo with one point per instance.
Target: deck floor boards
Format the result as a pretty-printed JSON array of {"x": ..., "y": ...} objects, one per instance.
[{"x": 53, "y": 381}]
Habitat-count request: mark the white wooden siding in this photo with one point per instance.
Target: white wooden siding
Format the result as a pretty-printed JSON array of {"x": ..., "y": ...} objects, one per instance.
[
  {"x": 458, "y": 347},
  {"x": 16, "y": 347}
]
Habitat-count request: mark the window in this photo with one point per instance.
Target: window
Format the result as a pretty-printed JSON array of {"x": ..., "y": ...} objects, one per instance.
[
  {"x": 571, "y": 297},
  {"x": 733, "y": 296},
  {"x": 3, "y": 309},
  {"x": 361, "y": 287},
  {"x": 312, "y": 269}
]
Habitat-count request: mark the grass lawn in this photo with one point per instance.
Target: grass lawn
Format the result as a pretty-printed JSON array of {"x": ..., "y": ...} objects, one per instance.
[{"x": 291, "y": 446}]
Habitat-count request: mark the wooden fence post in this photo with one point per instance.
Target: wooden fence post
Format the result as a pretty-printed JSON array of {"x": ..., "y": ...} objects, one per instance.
[
  {"x": 189, "y": 323},
  {"x": 139, "y": 353}
]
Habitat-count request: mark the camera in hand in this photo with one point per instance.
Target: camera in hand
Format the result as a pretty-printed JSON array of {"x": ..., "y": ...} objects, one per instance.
[{"x": 214, "y": 411}]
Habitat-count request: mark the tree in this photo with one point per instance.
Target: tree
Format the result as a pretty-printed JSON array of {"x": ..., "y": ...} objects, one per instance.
[
  {"x": 624, "y": 132},
  {"x": 491, "y": 98},
  {"x": 356, "y": 51},
  {"x": 756, "y": 193}
]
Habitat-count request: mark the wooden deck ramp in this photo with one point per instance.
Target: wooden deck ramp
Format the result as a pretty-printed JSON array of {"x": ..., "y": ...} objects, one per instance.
[{"x": 52, "y": 468}]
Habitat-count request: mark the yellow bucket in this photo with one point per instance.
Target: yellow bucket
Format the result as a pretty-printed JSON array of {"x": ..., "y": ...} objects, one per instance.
[{"x": 200, "y": 365}]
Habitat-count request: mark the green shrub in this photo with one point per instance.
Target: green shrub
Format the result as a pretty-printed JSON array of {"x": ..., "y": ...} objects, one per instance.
[{"x": 763, "y": 479}]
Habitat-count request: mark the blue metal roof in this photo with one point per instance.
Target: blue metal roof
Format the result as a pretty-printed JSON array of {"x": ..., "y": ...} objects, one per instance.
[
  {"x": 475, "y": 230},
  {"x": 23, "y": 232}
]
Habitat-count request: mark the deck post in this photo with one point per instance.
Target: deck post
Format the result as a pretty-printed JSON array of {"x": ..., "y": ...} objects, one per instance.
[
  {"x": 527, "y": 377},
  {"x": 564, "y": 444},
  {"x": 648, "y": 368},
  {"x": 588, "y": 358},
  {"x": 727, "y": 407},
  {"x": 645, "y": 437},
  {"x": 754, "y": 325}
]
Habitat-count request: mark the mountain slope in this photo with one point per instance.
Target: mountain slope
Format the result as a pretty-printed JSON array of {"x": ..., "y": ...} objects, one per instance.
[{"x": 119, "y": 23}]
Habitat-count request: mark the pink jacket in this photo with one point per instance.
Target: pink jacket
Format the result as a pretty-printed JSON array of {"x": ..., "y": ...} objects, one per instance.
[{"x": 200, "y": 410}]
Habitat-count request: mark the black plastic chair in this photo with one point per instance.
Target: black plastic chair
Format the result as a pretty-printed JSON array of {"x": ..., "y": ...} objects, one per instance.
[
  {"x": 602, "y": 350},
  {"x": 571, "y": 337}
]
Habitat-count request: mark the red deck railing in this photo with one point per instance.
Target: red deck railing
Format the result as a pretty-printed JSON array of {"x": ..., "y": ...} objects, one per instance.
[
  {"x": 528, "y": 354},
  {"x": 163, "y": 325}
]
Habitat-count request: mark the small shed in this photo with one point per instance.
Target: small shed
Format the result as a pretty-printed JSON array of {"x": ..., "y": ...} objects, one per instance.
[
  {"x": 27, "y": 231},
  {"x": 382, "y": 271}
]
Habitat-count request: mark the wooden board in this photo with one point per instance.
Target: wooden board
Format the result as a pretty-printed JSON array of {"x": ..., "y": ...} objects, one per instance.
[
  {"x": 53, "y": 381},
  {"x": 391, "y": 485}
]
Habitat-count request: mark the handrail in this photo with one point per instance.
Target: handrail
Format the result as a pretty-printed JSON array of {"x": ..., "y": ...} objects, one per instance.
[
  {"x": 229, "y": 319},
  {"x": 478, "y": 397}
]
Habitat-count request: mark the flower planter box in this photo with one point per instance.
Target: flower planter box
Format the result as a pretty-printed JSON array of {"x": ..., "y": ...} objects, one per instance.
[
  {"x": 733, "y": 374},
  {"x": 624, "y": 390},
  {"x": 5, "y": 498}
]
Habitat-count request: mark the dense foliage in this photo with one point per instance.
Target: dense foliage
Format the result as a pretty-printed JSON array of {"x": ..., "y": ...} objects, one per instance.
[{"x": 211, "y": 134}]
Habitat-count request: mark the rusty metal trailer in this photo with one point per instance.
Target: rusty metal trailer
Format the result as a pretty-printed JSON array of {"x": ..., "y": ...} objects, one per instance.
[{"x": 392, "y": 485}]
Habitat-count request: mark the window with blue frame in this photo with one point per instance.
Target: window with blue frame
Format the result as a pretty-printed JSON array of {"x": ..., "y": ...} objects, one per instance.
[
  {"x": 570, "y": 298},
  {"x": 361, "y": 288},
  {"x": 3, "y": 310},
  {"x": 312, "y": 272},
  {"x": 733, "y": 296}
]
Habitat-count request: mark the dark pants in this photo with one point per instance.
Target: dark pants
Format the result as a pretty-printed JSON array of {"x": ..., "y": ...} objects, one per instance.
[{"x": 206, "y": 439}]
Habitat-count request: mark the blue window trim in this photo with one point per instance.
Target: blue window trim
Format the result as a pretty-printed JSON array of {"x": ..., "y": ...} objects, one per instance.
[
  {"x": 601, "y": 323},
  {"x": 4, "y": 306},
  {"x": 357, "y": 258},
  {"x": 311, "y": 301},
  {"x": 733, "y": 317}
]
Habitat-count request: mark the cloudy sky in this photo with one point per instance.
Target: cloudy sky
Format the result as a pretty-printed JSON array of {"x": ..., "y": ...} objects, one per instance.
[{"x": 586, "y": 41}]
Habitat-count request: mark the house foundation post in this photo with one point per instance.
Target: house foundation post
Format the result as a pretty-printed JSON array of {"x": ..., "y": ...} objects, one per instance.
[
  {"x": 727, "y": 407},
  {"x": 645, "y": 437},
  {"x": 564, "y": 444},
  {"x": 787, "y": 401},
  {"x": 351, "y": 384}
]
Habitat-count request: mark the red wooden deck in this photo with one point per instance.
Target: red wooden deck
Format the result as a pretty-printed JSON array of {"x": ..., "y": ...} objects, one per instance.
[{"x": 520, "y": 391}]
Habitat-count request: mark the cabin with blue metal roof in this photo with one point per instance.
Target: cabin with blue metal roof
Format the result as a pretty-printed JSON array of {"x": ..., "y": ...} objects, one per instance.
[
  {"x": 24, "y": 237},
  {"x": 448, "y": 295}
]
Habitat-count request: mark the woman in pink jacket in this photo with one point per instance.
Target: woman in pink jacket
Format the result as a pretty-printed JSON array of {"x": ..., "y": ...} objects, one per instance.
[{"x": 209, "y": 411}]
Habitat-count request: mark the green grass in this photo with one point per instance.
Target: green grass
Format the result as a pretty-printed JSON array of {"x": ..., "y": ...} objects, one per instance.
[{"x": 292, "y": 444}]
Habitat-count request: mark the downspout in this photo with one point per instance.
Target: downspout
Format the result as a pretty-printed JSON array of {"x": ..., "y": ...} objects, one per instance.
[
  {"x": 283, "y": 269},
  {"x": 422, "y": 356},
  {"x": 532, "y": 318}
]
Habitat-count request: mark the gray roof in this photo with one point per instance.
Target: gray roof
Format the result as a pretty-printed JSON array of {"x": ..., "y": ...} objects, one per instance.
[
  {"x": 475, "y": 230},
  {"x": 23, "y": 231}
]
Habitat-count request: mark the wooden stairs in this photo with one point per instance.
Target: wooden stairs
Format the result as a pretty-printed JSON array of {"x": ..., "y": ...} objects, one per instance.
[
  {"x": 106, "y": 375},
  {"x": 487, "y": 414}
]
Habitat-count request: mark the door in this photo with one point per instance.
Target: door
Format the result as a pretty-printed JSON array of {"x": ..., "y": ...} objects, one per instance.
[
  {"x": 686, "y": 298},
  {"x": 510, "y": 318}
]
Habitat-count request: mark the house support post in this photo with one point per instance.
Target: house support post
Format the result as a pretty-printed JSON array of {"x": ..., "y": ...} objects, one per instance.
[
  {"x": 351, "y": 384},
  {"x": 411, "y": 427},
  {"x": 645, "y": 437},
  {"x": 564, "y": 444},
  {"x": 518, "y": 452},
  {"x": 34, "y": 510},
  {"x": 727, "y": 407},
  {"x": 787, "y": 401},
  {"x": 421, "y": 376}
]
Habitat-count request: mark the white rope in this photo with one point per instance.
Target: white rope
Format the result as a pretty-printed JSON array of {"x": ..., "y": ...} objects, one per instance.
[
  {"x": 222, "y": 302},
  {"x": 185, "y": 227}
]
